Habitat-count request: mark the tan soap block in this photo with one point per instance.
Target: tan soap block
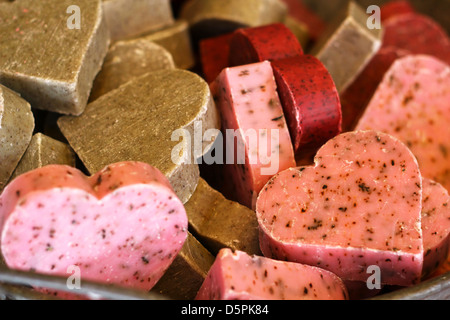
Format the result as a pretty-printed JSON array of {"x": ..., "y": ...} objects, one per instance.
[
  {"x": 299, "y": 29},
  {"x": 136, "y": 122},
  {"x": 49, "y": 64},
  {"x": 177, "y": 40},
  {"x": 16, "y": 130},
  {"x": 219, "y": 223},
  {"x": 130, "y": 18},
  {"x": 127, "y": 60},
  {"x": 348, "y": 45},
  {"x": 44, "y": 151},
  {"x": 186, "y": 274},
  {"x": 211, "y": 18}
]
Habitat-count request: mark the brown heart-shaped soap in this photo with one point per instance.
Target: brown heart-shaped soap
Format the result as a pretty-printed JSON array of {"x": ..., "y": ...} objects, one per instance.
[
  {"x": 136, "y": 122},
  {"x": 50, "y": 64}
]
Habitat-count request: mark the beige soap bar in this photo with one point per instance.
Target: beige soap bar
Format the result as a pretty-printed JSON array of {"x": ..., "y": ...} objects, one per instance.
[
  {"x": 177, "y": 40},
  {"x": 127, "y": 60},
  {"x": 211, "y": 18},
  {"x": 44, "y": 151},
  {"x": 51, "y": 65},
  {"x": 219, "y": 223},
  {"x": 348, "y": 45},
  {"x": 136, "y": 122},
  {"x": 186, "y": 274},
  {"x": 131, "y": 18},
  {"x": 16, "y": 130}
]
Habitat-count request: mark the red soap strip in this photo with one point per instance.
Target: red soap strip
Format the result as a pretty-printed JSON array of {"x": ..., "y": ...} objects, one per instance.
[
  {"x": 271, "y": 42},
  {"x": 299, "y": 11},
  {"x": 310, "y": 100},
  {"x": 395, "y": 8},
  {"x": 214, "y": 55},
  {"x": 356, "y": 97},
  {"x": 417, "y": 34},
  {"x": 123, "y": 226}
]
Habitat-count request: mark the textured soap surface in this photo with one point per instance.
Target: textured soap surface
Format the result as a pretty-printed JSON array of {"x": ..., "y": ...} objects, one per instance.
[
  {"x": 127, "y": 60},
  {"x": 347, "y": 45},
  {"x": 358, "y": 206},
  {"x": 44, "y": 151},
  {"x": 137, "y": 121},
  {"x": 411, "y": 103},
  {"x": 251, "y": 109},
  {"x": 49, "y": 64},
  {"x": 130, "y": 18},
  {"x": 220, "y": 223},
  {"x": 236, "y": 275},
  {"x": 16, "y": 130},
  {"x": 123, "y": 225}
]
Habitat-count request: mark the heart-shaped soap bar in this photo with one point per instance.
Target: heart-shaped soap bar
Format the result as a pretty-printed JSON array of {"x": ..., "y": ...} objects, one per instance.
[
  {"x": 139, "y": 122},
  {"x": 124, "y": 225},
  {"x": 412, "y": 104},
  {"x": 46, "y": 57},
  {"x": 359, "y": 206}
]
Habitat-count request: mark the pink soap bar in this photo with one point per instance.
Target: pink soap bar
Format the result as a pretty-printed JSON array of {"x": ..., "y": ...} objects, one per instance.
[
  {"x": 357, "y": 96},
  {"x": 418, "y": 34},
  {"x": 214, "y": 55},
  {"x": 269, "y": 42},
  {"x": 395, "y": 8},
  {"x": 435, "y": 226},
  {"x": 251, "y": 112},
  {"x": 412, "y": 103},
  {"x": 310, "y": 101},
  {"x": 238, "y": 276},
  {"x": 123, "y": 226},
  {"x": 359, "y": 206}
]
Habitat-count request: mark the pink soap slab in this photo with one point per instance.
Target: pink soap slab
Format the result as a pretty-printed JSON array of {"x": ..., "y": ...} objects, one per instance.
[
  {"x": 249, "y": 104},
  {"x": 238, "y": 276},
  {"x": 359, "y": 206},
  {"x": 435, "y": 226},
  {"x": 124, "y": 225},
  {"x": 412, "y": 104}
]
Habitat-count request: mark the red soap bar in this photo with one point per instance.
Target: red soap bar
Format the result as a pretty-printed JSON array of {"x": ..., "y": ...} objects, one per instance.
[
  {"x": 310, "y": 101},
  {"x": 299, "y": 11},
  {"x": 417, "y": 34},
  {"x": 395, "y": 8},
  {"x": 270, "y": 42},
  {"x": 214, "y": 55},
  {"x": 356, "y": 97}
]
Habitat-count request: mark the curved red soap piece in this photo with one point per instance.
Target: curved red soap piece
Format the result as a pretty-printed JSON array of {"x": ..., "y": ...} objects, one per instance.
[
  {"x": 418, "y": 34},
  {"x": 123, "y": 226},
  {"x": 214, "y": 55},
  {"x": 270, "y": 42},
  {"x": 310, "y": 100},
  {"x": 395, "y": 8},
  {"x": 357, "y": 96}
]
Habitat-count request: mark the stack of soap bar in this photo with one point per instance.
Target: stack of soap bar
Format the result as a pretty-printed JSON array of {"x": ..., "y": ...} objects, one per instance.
[
  {"x": 56, "y": 217},
  {"x": 411, "y": 103},
  {"x": 239, "y": 276},
  {"x": 49, "y": 64},
  {"x": 130, "y": 18},
  {"x": 177, "y": 40},
  {"x": 186, "y": 274},
  {"x": 127, "y": 60},
  {"x": 220, "y": 223},
  {"x": 254, "y": 126},
  {"x": 16, "y": 130},
  {"x": 212, "y": 18},
  {"x": 347, "y": 45},
  {"x": 140, "y": 120},
  {"x": 44, "y": 151},
  {"x": 358, "y": 206}
]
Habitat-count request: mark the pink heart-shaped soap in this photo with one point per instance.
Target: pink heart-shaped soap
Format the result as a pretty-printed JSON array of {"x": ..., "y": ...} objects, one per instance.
[
  {"x": 124, "y": 225},
  {"x": 359, "y": 206}
]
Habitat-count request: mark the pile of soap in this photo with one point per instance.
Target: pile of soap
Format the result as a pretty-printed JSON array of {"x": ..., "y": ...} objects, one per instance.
[{"x": 225, "y": 149}]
